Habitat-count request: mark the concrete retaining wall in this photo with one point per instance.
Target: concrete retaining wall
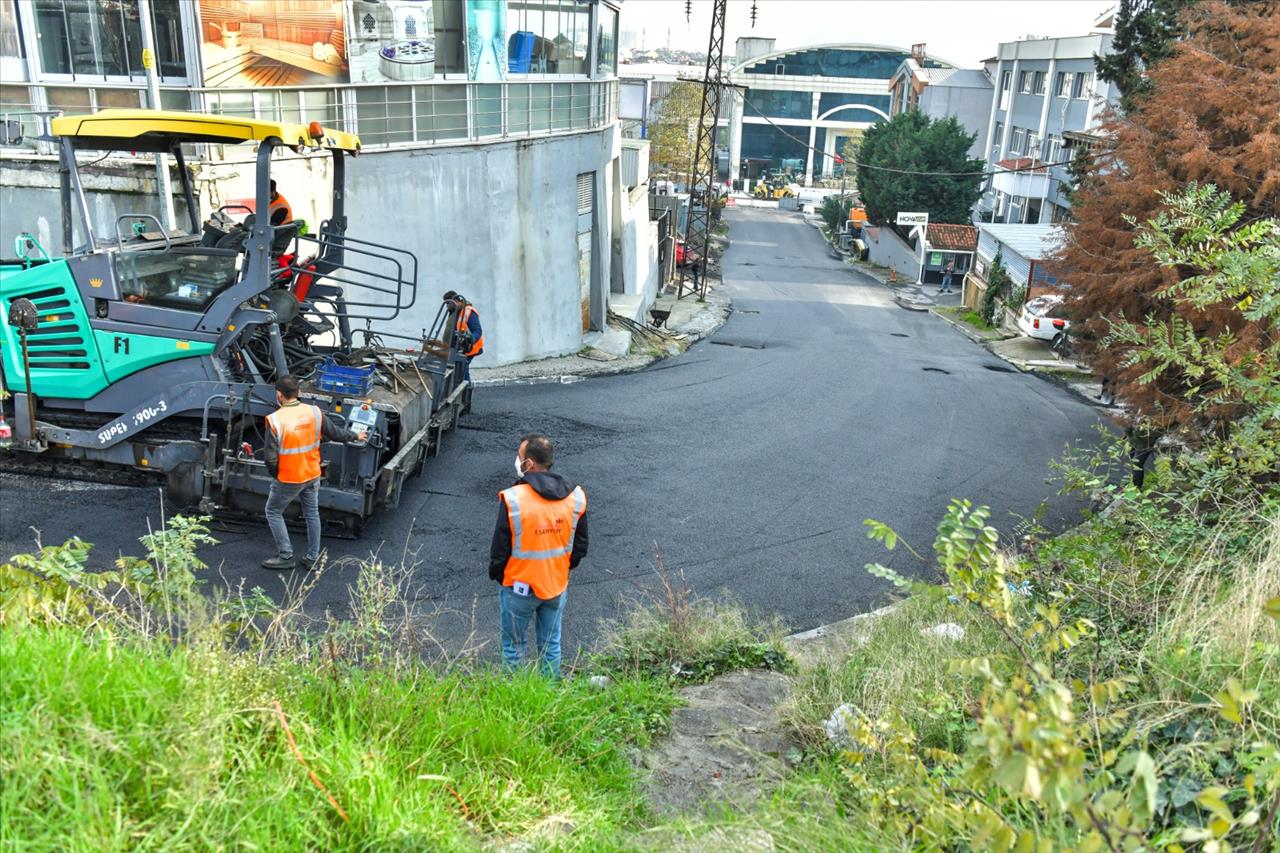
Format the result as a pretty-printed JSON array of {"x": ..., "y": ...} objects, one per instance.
[
  {"x": 886, "y": 248},
  {"x": 498, "y": 222}
]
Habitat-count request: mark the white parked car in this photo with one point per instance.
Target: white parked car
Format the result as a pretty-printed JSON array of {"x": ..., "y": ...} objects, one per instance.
[{"x": 1043, "y": 318}]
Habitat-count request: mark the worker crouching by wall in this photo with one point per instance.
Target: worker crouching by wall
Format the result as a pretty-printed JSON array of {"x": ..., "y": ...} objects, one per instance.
[{"x": 540, "y": 536}]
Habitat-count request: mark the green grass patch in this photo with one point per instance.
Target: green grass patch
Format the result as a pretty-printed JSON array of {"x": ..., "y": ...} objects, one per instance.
[
  {"x": 147, "y": 745},
  {"x": 968, "y": 317}
]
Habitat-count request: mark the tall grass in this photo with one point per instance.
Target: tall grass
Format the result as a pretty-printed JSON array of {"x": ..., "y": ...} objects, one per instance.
[{"x": 148, "y": 745}]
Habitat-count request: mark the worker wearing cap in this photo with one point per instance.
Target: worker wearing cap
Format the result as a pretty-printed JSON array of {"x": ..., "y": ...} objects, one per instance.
[
  {"x": 468, "y": 327},
  {"x": 292, "y": 454},
  {"x": 540, "y": 536},
  {"x": 279, "y": 210}
]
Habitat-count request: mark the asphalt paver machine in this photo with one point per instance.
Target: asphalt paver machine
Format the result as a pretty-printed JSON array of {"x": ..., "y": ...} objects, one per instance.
[{"x": 151, "y": 354}]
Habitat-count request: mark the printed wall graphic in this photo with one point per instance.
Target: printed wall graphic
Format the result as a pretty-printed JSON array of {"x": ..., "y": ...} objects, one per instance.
[
  {"x": 392, "y": 40},
  {"x": 254, "y": 43},
  {"x": 487, "y": 40}
]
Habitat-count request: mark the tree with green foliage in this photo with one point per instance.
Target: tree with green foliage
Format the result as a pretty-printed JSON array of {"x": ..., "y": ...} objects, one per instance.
[
  {"x": 834, "y": 211},
  {"x": 1221, "y": 389},
  {"x": 999, "y": 287},
  {"x": 1146, "y": 31},
  {"x": 672, "y": 129},
  {"x": 912, "y": 142}
]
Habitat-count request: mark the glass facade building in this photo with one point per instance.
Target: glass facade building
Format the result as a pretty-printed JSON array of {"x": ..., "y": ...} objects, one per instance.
[{"x": 800, "y": 107}]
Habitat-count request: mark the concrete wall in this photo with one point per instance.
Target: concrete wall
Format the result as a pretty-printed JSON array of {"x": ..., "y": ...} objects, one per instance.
[
  {"x": 29, "y": 199},
  {"x": 497, "y": 223},
  {"x": 636, "y": 247},
  {"x": 971, "y": 106},
  {"x": 886, "y": 248}
]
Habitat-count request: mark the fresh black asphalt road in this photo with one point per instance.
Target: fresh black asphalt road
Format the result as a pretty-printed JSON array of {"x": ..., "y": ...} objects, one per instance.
[{"x": 748, "y": 462}]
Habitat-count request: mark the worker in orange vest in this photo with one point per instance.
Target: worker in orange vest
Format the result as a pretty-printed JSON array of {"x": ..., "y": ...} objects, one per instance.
[
  {"x": 541, "y": 536},
  {"x": 469, "y": 332},
  {"x": 279, "y": 210},
  {"x": 292, "y": 454}
]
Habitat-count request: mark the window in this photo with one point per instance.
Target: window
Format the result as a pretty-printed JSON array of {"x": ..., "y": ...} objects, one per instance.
[
  {"x": 1006, "y": 78},
  {"x": 1063, "y": 88},
  {"x": 836, "y": 62},
  {"x": 1083, "y": 85},
  {"x": 557, "y": 32},
  {"x": 607, "y": 41},
  {"x": 1054, "y": 152},
  {"x": 10, "y": 39},
  {"x": 1016, "y": 141},
  {"x": 997, "y": 135},
  {"x": 103, "y": 38},
  {"x": 1033, "y": 144},
  {"x": 1040, "y": 82},
  {"x": 1025, "y": 81},
  {"x": 186, "y": 279},
  {"x": 450, "y": 21}
]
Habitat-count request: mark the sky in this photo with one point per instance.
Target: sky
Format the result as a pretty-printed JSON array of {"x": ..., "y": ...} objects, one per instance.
[{"x": 961, "y": 31}]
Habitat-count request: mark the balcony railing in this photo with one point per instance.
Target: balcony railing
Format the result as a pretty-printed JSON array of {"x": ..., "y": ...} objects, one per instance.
[
  {"x": 410, "y": 114},
  {"x": 435, "y": 112}
]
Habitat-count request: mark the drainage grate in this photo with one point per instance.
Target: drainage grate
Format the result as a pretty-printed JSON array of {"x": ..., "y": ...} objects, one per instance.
[
  {"x": 899, "y": 334},
  {"x": 745, "y": 311},
  {"x": 936, "y": 370},
  {"x": 999, "y": 368}
]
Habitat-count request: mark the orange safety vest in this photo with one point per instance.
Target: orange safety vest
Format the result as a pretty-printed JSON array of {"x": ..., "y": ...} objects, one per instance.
[
  {"x": 280, "y": 202},
  {"x": 297, "y": 431},
  {"x": 541, "y": 538},
  {"x": 463, "y": 316}
]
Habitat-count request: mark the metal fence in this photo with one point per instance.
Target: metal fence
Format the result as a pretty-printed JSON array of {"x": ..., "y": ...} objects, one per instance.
[{"x": 382, "y": 115}]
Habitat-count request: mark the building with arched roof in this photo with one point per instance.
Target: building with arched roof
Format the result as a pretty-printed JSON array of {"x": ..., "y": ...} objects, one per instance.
[{"x": 798, "y": 107}]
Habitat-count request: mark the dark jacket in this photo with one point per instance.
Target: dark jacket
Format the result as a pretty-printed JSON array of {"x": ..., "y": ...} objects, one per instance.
[
  {"x": 329, "y": 430},
  {"x": 552, "y": 487}
]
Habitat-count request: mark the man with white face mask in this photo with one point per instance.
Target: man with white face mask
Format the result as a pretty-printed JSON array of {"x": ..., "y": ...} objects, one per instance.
[{"x": 540, "y": 536}]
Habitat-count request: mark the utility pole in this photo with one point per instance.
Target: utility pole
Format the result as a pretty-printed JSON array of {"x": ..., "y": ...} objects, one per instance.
[
  {"x": 153, "y": 95},
  {"x": 697, "y": 232}
]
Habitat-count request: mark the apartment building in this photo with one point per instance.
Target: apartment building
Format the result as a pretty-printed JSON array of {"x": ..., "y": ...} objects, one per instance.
[{"x": 1046, "y": 92}]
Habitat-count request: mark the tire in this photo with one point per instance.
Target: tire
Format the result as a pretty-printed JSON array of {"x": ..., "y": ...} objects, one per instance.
[{"x": 1061, "y": 344}]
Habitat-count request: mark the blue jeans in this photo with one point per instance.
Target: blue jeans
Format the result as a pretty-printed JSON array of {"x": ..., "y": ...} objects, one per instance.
[
  {"x": 283, "y": 494},
  {"x": 946, "y": 283},
  {"x": 516, "y": 612}
]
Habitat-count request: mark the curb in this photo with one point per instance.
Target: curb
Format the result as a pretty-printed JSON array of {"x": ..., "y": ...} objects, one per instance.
[
  {"x": 1071, "y": 388},
  {"x": 1044, "y": 376},
  {"x": 723, "y": 311}
]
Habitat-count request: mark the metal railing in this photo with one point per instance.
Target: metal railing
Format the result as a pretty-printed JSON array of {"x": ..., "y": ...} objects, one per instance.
[
  {"x": 423, "y": 113},
  {"x": 432, "y": 112}
]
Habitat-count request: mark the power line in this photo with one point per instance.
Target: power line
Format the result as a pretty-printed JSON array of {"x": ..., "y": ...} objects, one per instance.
[{"x": 984, "y": 174}]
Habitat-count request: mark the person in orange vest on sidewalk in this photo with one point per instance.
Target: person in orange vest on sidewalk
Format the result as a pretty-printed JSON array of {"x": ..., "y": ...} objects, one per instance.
[
  {"x": 540, "y": 537},
  {"x": 468, "y": 328},
  {"x": 292, "y": 454}
]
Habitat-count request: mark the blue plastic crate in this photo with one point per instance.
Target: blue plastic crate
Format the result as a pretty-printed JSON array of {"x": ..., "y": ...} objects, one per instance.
[
  {"x": 520, "y": 52},
  {"x": 339, "y": 379}
]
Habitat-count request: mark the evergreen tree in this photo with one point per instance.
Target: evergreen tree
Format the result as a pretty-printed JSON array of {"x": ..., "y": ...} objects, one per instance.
[
  {"x": 1146, "y": 31},
  {"x": 913, "y": 142}
]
